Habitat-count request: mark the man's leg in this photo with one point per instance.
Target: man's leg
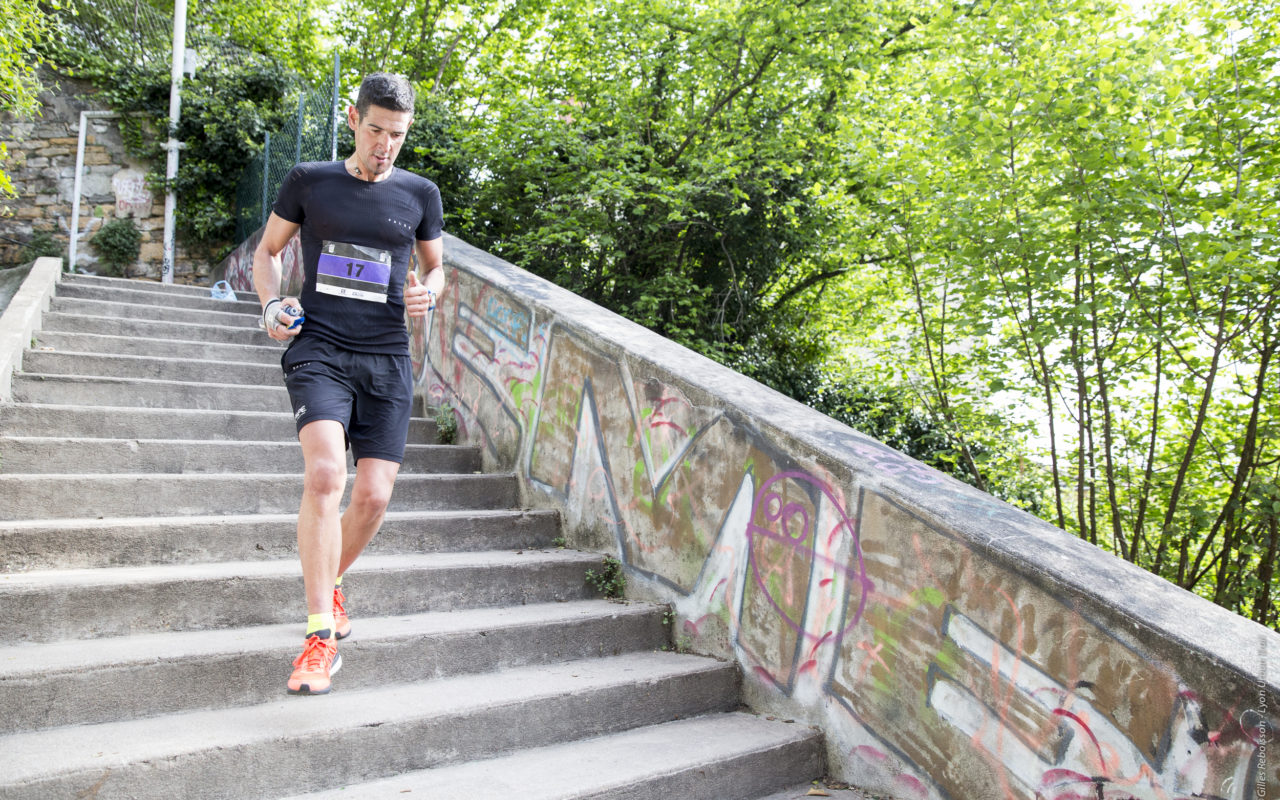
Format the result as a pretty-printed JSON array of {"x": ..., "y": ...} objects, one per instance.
[
  {"x": 369, "y": 498},
  {"x": 320, "y": 548},
  {"x": 378, "y": 430},
  {"x": 370, "y": 495},
  {"x": 319, "y": 524}
]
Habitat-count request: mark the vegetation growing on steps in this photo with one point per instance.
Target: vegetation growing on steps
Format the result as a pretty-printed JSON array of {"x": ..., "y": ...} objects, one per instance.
[
  {"x": 446, "y": 424},
  {"x": 610, "y": 580}
]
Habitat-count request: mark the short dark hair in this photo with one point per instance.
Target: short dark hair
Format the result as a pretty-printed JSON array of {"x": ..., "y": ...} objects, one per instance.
[{"x": 384, "y": 90}]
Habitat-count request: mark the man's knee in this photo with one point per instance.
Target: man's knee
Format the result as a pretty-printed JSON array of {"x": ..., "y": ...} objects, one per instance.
[
  {"x": 325, "y": 478},
  {"x": 371, "y": 497}
]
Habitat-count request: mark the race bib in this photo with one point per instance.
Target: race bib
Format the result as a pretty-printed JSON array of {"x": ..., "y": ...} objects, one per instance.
[{"x": 349, "y": 270}]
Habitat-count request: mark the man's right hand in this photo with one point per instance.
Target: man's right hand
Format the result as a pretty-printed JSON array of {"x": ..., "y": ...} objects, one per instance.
[{"x": 281, "y": 318}]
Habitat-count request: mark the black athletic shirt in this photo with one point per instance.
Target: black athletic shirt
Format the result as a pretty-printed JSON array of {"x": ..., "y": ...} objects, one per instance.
[{"x": 387, "y": 215}]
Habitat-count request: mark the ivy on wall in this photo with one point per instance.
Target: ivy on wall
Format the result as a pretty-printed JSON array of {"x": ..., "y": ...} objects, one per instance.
[{"x": 228, "y": 105}]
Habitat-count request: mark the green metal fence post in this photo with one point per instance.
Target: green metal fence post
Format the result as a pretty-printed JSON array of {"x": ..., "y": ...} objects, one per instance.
[
  {"x": 266, "y": 175},
  {"x": 334, "y": 111},
  {"x": 297, "y": 155}
]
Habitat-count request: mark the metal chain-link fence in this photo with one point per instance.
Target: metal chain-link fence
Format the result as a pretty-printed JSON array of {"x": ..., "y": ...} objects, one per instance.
[
  {"x": 131, "y": 32},
  {"x": 310, "y": 135}
]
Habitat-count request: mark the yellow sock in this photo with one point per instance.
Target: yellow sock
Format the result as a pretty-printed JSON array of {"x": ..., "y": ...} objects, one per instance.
[
  {"x": 320, "y": 622},
  {"x": 338, "y": 582}
]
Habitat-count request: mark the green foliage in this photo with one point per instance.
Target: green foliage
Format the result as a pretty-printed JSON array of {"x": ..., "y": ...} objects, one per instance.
[
  {"x": 434, "y": 44},
  {"x": 22, "y": 25},
  {"x": 1082, "y": 216},
  {"x": 227, "y": 108},
  {"x": 293, "y": 33},
  {"x": 41, "y": 245},
  {"x": 446, "y": 424},
  {"x": 610, "y": 580},
  {"x": 1031, "y": 244},
  {"x": 118, "y": 244},
  {"x": 670, "y": 162}
]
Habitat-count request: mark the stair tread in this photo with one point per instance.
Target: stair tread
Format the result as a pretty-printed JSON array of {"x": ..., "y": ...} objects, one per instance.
[
  {"x": 83, "y": 408},
  {"x": 25, "y": 661},
  {"x": 37, "y": 580},
  {"x": 284, "y": 519},
  {"x": 289, "y": 443},
  {"x": 129, "y": 283},
  {"x": 127, "y": 341},
  {"x": 801, "y": 791},
  {"x": 103, "y": 746},
  {"x": 598, "y": 767},
  {"x": 99, "y": 410},
  {"x": 139, "y": 477},
  {"x": 54, "y": 376},
  {"x": 89, "y": 355}
]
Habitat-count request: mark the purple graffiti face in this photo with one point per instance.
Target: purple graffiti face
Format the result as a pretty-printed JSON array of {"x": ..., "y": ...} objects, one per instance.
[{"x": 787, "y": 535}]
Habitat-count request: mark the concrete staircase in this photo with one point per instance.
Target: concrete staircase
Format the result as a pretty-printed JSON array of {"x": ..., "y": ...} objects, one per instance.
[{"x": 152, "y": 602}]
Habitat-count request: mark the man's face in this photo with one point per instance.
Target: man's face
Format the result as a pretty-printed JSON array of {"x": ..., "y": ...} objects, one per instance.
[{"x": 379, "y": 137}]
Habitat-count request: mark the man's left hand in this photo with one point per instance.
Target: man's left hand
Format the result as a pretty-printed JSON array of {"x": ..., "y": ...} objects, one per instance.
[{"x": 418, "y": 299}]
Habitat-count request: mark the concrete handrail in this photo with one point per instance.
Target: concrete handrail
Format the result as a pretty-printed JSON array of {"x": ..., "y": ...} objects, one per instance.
[
  {"x": 21, "y": 318},
  {"x": 949, "y": 644}
]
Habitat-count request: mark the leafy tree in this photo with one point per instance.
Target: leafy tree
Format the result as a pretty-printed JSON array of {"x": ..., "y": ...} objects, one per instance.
[
  {"x": 1082, "y": 211},
  {"x": 233, "y": 99},
  {"x": 21, "y": 27}
]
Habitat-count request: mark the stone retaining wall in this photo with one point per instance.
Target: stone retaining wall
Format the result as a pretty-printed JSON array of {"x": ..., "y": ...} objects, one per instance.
[
  {"x": 41, "y": 165},
  {"x": 948, "y": 644}
]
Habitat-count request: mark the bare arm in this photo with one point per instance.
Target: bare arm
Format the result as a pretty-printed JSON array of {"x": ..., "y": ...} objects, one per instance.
[
  {"x": 268, "y": 270},
  {"x": 422, "y": 288}
]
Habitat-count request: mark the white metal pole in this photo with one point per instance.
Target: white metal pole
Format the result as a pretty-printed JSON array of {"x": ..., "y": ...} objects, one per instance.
[
  {"x": 74, "y": 231},
  {"x": 175, "y": 107}
]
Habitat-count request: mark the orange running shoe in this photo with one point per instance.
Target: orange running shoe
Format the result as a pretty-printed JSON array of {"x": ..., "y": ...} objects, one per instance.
[
  {"x": 341, "y": 622},
  {"x": 317, "y": 664}
]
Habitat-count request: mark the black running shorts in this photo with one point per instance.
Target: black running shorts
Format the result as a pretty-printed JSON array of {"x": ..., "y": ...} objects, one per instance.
[{"x": 371, "y": 394}]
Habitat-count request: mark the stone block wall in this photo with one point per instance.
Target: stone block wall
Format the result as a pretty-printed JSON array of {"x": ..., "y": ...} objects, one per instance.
[{"x": 41, "y": 164}]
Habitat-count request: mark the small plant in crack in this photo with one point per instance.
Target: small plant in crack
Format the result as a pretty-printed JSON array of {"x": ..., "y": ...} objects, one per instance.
[
  {"x": 609, "y": 581},
  {"x": 446, "y": 424}
]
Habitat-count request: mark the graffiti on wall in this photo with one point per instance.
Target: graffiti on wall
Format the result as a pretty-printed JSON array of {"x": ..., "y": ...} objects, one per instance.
[
  {"x": 133, "y": 198},
  {"x": 237, "y": 268},
  {"x": 934, "y": 671}
]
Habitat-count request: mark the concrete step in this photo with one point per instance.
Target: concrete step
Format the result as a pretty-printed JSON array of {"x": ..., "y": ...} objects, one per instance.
[
  {"x": 143, "y": 329},
  {"x": 158, "y": 348},
  {"x": 46, "y": 606},
  {"x": 150, "y": 368},
  {"x": 33, "y": 419},
  {"x": 716, "y": 756},
  {"x": 127, "y": 677},
  {"x": 57, "y": 496},
  {"x": 831, "y": 789},
  {"x": 304, "y": 744},
  {"x": 78, "y": 279},
  {"x": 137, "y": 541},
  {"x": 78, "y": 390},
  {"x": 153, "y": 296},
  {"x": 177, "y": 318},
  {"x": 25, "y": 454}
]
